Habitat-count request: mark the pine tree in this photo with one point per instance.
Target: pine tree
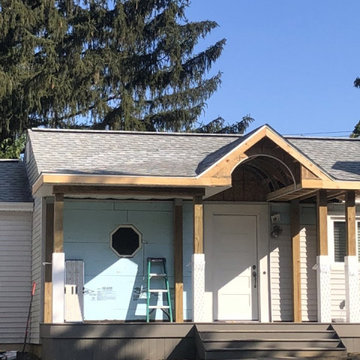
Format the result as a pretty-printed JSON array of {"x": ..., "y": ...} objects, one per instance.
[{"x": 127, "y": 64}]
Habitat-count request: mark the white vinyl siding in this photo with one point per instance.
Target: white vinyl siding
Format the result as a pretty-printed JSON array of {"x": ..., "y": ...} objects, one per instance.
[
  {"x": 281, "y": 276},
  {"x": 281, "y": 267},
  {"x": 15, "y": 274},
  {"x": 36, "y": 274},
  {"x": 308, "y": 275},
  {"x": 337, "y": 252},
  {"x": 337, "y": 291}
]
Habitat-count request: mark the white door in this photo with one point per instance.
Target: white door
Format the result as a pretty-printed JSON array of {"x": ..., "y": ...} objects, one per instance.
[{"x": 234, "y": 267}]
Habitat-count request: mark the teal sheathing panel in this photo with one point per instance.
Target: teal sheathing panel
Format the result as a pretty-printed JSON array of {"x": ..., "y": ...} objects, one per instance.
[{"x": 115, "y": 287}]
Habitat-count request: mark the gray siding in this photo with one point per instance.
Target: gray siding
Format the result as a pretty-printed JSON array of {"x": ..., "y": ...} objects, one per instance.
[
  {"x": 31, "y": 166},
  {"x": 15, "y": 274},
  {"x": 36, "y": 274}
]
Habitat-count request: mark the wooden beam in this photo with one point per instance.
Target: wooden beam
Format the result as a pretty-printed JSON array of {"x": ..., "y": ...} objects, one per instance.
[
  {"x": 335, "y": 194},
  {"x": 49, "y": 236},
  {"x": 297, "y": 155},
  {"x": 322, "y": 222},
  {"x": 117, "y": 180},
  {"x": 198, "y": 225},
  {"x": 59, "y": 223},
  {"x": 295, "y": 236},
  {"x": 330, "y": 184},
  {"x": 287, "y": 190},
  {"x": 350, "y": 213},
  {"x": 128, "y": 190},
  {"x": 307, "y": 194},
  {"x": 178, "y": 261}
]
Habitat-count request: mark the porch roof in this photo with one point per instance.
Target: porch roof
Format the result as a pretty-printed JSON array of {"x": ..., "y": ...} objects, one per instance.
[
  {"x": 193, "y": 160},
  {"x": 338, "y": 157},
  {"x": 14, "y": 186},
  {"x": 128, "y": 153}
]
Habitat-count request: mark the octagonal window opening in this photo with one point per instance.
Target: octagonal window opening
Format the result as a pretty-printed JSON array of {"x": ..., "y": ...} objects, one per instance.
[{"x": 125, "y": 240}]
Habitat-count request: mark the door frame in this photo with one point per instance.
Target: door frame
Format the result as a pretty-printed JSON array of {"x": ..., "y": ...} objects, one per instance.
[{"x": 261, "y": 211}]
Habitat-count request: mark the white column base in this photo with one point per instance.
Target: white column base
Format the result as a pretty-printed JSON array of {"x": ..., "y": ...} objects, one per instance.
[
  {"x": 352, "y": 289},
  {"x": 323, "y": 288},
  {"x": 58, "y": 286},
  {"x": 198, "y": 287}
]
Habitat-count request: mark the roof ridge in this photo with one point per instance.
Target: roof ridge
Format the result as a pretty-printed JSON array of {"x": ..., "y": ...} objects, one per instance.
[
  {"x": 320, "y": 138},
  {"x": 125, "y": 132}
]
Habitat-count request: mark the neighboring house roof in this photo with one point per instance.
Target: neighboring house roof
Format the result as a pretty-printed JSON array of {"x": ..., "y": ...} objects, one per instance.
[
  {"x": 338, "y": 157},
  {"x": 14, "y": 185},
  {"x": 171, "y": 154}
]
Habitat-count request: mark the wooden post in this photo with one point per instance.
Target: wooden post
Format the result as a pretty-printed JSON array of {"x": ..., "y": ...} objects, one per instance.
[
  {"x": 350, "y": 213},
  {"x": 198, "y": 226},
  {"x": 59, "y": 223},
  {"x": 295, "y": 237},
  {"x": 322, "y": 222},
  {"x": 178, "y": 261},
  {"x": 48, "y": 256}
]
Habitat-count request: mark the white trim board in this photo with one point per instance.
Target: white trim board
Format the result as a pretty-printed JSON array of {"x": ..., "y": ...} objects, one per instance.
[{"x": 16, "y": 206}]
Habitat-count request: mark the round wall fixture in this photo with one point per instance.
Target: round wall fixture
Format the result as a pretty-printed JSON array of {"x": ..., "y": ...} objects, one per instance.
[{"x": 125, "y": 240}]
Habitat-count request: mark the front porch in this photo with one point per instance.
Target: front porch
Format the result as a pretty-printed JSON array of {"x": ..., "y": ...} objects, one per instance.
[{"x": 154, "y": 341}]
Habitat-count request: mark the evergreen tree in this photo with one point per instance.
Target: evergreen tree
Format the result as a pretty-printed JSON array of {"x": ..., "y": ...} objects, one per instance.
[
  {"x": 356, "y": 131},
  {"x": 127, "y": 64},
  {"x": 218, "y": 126}
]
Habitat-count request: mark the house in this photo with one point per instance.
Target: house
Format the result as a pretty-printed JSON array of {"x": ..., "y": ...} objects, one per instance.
[
  {"x": 15, "y": 250},
  {"x": 258, "y": 228}
]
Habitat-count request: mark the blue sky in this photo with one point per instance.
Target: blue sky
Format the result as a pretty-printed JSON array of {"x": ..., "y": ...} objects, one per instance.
[{"x": 288, "y": 63}]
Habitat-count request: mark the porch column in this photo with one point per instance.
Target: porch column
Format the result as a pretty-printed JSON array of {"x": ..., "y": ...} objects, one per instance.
[
  {"x": 323, "y": 261},
  {"x": 58, "y": 262},
  {"x": 351, "y": 261},
  {"x": 198, "y": 262},
  {"x": 178, "y": 260},
  {"x": 295, "y": 236}
]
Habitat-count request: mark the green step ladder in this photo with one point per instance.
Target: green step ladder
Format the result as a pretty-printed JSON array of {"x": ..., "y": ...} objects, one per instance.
[{"x": 158, "y": 273}]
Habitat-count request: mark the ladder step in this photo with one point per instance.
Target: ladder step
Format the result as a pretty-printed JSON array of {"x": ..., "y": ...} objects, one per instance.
[
  {"x": 159, "y": 307},
  {"x": 157, "y": 275},
  {"x": 158, "y": 290},
  {"x": 160, "y": 260}
]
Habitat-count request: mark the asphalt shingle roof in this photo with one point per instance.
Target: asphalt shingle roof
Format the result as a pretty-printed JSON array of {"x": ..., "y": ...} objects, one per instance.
[
  {"x": 14, "y": 185},
  {"x": 127, "y": 153},
  {"x": 340, "y": 158},
  {"x": 170, "y": 154}
]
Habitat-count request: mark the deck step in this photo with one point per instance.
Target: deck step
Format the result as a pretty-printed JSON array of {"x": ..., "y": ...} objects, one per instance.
[
  {"x": 268, "y": 341},
  {"x": 264, "y": 326},
  {"x": 270, "y": 344},
  {"x": 273, "y": 334},
  {"x": 319, "y": 353}
]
